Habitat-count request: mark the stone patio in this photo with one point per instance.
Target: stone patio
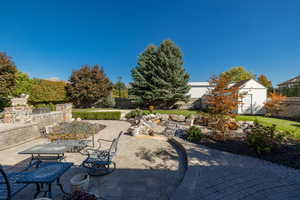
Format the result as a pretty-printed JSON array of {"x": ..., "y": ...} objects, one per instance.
[
  {"x": 147, "y": 168},
  {"x": 152, "y": 168}
]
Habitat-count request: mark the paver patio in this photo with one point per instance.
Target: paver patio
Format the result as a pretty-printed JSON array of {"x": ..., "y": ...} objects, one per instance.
[{"x": 149, "y": 168}]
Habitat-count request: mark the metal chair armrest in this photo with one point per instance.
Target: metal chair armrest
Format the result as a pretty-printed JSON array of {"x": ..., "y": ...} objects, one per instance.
[
  {"x": 88, "y": 151},
  {"x": 99, "y": 142}
]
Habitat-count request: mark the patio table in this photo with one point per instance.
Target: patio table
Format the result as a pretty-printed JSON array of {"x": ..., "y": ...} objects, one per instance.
[
  {"x": 74, "y": 145},
  {"x": 46, "y": 174},
  {"x": 49, "y": 151}
]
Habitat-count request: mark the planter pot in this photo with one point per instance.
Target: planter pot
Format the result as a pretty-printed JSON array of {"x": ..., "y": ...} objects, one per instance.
[{"x": 80, "y": 182}]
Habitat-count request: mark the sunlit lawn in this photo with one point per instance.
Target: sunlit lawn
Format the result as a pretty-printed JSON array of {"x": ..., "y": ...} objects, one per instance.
[{"x": 292, "y": 127}]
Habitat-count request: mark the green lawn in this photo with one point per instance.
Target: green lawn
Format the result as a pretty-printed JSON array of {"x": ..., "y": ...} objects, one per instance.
[
  {"x": 177, "y": 112},
  {"x": 282, "y": 125},
  {"x": 90, "y": 109}
]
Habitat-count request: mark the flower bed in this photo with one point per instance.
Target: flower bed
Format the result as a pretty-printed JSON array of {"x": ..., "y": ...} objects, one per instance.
[
  {"x": 245, "y": 138},
  {"x": 74, "y": 130}
]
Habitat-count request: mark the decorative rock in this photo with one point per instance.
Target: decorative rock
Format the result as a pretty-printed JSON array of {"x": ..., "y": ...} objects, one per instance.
[
  {"x": 189, "y": 122},
  {"x": 158, "y": 129},
  {"x": 177, "y": 118},
  {"x": 164, "y": 117},
  {"x": 134, "y": 130}
]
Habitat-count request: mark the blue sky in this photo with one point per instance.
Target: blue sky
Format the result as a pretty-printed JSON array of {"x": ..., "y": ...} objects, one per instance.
[{"x": 51, "y": 38}]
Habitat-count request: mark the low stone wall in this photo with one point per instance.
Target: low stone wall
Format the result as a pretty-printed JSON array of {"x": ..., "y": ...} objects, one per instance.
[
  {"x": 18, "y": 134},
  {"x": 46, "y": 119},
  {"x": 20, "y": 125},
  {"x": 290, "y": 108}
]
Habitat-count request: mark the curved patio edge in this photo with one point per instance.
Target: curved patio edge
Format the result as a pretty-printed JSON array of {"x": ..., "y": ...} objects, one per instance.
[
  {"x": 213, "y": 174},
  {"x": 185, "y": 188}
]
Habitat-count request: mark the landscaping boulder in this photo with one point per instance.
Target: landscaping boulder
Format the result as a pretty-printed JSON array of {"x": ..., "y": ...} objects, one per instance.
[
  {"x": 189, "y": 122},
  {"x": 177, "y": 118},
  {"x": 164, "y": 117},
  {"x": 134, "y": 130}
]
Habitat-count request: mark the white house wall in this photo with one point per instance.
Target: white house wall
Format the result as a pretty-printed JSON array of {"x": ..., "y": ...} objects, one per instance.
[{"x": 198, "y": 91}]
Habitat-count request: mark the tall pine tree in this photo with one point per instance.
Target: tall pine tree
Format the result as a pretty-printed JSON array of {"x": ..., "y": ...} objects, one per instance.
[{"x": 159, "y": 78}]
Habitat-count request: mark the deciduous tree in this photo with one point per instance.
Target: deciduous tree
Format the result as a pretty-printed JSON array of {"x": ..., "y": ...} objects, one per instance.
[
  {"x": 88, "y": 86},
  {"x": 262, "y": 79},
  {"x": 236, "y": 74},
  {"x": 24, "y": 84},
  {"x": 8, "y": 71},
  {"x": 120, "y": 89},
  {"x": 223, "y": 101},
  {"x": 273, "y": 104}
]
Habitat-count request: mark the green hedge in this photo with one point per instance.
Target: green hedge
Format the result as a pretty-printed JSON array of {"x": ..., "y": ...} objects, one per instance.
[{"x": 97, "y": 115}]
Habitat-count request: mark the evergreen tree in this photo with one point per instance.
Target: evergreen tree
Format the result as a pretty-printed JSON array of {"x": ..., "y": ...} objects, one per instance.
[
  {"x": 88, "y": 86},
  {"x": 159, "y": 78}
]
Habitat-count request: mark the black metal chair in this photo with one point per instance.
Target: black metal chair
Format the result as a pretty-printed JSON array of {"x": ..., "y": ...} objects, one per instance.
[{"x": 100, "y": 162}]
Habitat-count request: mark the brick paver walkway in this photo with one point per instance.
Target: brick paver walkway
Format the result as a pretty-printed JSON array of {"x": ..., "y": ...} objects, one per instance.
[{"x": 214, "y": 175}]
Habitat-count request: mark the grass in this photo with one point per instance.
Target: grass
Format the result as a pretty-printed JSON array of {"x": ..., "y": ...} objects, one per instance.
[
  {"x": 177, "y": 112},
  {"x": 97, "y": 115},
  {"x": 292, "y": 127},
  {"x": 90, "y": 109}
]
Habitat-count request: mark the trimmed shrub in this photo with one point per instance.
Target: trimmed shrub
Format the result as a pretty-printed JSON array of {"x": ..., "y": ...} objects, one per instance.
[
  {"x": 137, "y": 113},
  {"x": 97, "y": 115},
  {"x": 50, "y": 106},
  {"x": 194, "y": 134},
  {"x": 47, "y": 91},
  {"x": 264, "y": 139}
]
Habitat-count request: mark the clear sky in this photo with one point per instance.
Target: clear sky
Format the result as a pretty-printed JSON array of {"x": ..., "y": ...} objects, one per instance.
[{"x": 50, "y": 38}]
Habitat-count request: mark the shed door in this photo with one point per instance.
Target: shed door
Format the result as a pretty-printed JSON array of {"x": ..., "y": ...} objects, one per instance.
[{"x": 247, "y": 104}]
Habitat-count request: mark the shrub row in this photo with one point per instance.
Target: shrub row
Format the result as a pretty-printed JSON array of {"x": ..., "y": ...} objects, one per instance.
[{"x": 97, "y": 115}]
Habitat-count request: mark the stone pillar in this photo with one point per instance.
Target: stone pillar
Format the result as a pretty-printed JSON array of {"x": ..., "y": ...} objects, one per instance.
[
  {"x": 66, "y": 109},
  {"x": 19, "y": 112}
]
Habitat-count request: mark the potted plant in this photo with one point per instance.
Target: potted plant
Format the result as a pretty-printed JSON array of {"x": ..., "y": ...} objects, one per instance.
[{"x": 80, "y": 182}]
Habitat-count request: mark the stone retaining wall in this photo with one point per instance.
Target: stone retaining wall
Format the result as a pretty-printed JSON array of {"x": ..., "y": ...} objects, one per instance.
[
  {"x": 18, "y": 134},
  {"x": 46, "y": 119},
  {"x": 24, "y": 126}
]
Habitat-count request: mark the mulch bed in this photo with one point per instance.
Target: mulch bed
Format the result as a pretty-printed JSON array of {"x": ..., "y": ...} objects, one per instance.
[{"x": 286, "y": 154}]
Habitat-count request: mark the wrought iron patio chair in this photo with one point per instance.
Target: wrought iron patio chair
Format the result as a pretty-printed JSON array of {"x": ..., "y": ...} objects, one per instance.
[{"x": 100, "y": 162}]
